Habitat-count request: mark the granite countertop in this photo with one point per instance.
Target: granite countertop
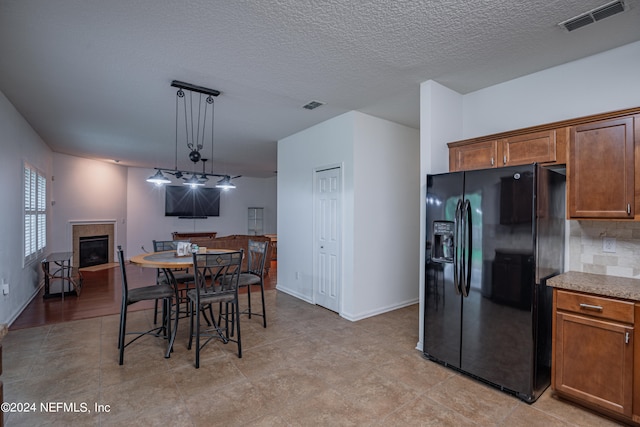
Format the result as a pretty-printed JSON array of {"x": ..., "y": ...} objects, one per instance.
[{"x": 599, "y": 284}]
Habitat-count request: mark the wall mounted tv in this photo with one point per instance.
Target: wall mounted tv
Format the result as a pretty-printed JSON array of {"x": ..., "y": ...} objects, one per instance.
[{"x": 186, "y": 202}]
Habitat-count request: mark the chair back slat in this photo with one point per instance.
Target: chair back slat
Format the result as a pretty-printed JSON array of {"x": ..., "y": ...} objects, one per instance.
[
  {"x": 217, "y": 273},
  {"x": 257, "y": 257},
  {"x": 123, "y": 272}
]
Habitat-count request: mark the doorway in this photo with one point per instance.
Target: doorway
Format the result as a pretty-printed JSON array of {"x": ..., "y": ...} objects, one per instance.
[{"x": 327, "y": 237}]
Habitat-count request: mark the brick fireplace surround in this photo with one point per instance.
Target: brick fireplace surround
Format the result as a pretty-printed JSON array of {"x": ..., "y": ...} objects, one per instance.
[{"x": 88, "y": 229}]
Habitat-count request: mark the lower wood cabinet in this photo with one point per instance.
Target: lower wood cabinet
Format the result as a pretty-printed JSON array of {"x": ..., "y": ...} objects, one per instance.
[{"x": 593, "y": 352}]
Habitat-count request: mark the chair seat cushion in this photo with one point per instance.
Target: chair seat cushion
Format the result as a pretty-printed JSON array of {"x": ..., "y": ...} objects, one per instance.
[
  {"x": 181, "y": 277},
  {"x": 150, "y": 292},
  {"x": 212, "y": 297},
  {"x": 247, "y": 279}
]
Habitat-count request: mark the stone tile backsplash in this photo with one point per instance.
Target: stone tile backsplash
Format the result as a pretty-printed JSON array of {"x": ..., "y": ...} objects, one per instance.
[{"x": 586, "y": 252}]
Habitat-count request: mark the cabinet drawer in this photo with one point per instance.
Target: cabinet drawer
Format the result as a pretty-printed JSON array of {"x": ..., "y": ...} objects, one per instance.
[{"x": 591, "y": 305}]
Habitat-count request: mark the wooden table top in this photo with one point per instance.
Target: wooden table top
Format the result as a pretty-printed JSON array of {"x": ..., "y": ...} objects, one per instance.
[{"x": 169, "y": 259}]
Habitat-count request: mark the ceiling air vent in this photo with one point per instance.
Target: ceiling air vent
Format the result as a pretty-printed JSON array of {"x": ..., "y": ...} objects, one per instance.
[
  {"x": 594, "y": 15},
  {"x": 312, "y": 105}
]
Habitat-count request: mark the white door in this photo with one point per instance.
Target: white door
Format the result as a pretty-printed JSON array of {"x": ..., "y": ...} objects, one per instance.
[{"x": 327, "y": 236}]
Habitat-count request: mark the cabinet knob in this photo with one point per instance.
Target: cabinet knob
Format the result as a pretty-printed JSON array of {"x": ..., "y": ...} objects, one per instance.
[
  {"x": 504, "y": 160},
  {"x": 492, "y": 161}
]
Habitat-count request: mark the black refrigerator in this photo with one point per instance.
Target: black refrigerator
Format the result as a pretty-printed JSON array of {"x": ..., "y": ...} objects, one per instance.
[{"x": 494, "y": 236}]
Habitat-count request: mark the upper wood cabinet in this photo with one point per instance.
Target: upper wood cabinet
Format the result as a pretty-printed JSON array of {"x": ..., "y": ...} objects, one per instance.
[
  {"x": 480, "y": 155},
  {"x": 540, "y": 147},
  {"x": 548, "y": 146},
  {"x": 600, "y": 171}
]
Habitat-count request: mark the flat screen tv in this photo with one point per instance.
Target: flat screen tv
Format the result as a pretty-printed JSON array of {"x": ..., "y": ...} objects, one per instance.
[{"x": 186, "y": 202}]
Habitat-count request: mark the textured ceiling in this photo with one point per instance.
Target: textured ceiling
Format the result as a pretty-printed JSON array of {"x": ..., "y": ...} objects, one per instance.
[{"x": 93, "y": 77}]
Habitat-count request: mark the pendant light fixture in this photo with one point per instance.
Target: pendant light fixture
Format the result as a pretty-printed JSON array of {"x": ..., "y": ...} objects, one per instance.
[
  {"x": 158, "y": 178},
  {"x": 225, "y": 183},
  {"x": 197, "y": 114}
]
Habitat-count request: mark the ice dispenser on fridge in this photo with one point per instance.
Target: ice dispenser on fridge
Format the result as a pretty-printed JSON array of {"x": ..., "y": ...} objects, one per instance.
[{"x": 442, "y": 241}]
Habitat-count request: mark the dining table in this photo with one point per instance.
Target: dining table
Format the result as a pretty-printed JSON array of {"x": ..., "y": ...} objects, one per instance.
[{"x": 169, "y": 260}]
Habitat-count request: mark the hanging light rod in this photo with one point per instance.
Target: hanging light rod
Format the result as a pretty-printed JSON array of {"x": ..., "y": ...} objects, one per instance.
[
  {"x": 194, "y": 143},
  {"x": 194, "y": 88},
  {"x": 180, "y": 173}
]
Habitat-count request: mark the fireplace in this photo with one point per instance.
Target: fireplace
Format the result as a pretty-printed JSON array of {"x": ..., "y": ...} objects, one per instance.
[
  {"x": 90, "y": 238},
  {"x": 94, "y": 250}
]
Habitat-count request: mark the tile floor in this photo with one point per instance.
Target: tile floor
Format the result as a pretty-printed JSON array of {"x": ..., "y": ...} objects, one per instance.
[{"x": 309, "y": 367}]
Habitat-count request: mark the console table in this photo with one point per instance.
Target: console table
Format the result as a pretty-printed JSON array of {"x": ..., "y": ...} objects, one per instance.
[
  {"x": 200, "y": 239},
  {"x": 61, "y": 270}
]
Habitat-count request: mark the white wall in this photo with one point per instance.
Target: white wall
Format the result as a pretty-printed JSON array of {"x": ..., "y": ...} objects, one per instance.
[
  {"x": 386, "y": 218},
  {"x": 379, "y": 208},
  {"x": 86, "y": 190},
  {"x": 328, "y": 143},
  {"x": 146, "y": 220},
  {"x": 604, "y": 82},
  {"x": 18, "y": 143}
]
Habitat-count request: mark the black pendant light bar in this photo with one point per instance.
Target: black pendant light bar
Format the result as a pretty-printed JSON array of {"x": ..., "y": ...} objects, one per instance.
[
  {"x": 194, "y": 88},
  {"x": 196, "y": 179}
]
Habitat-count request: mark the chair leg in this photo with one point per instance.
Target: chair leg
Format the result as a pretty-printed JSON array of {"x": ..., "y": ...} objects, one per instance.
[
  {"x": 123, "y": 322},
  {"x": 264, "y": 310},
  {"x": 171, "y": 334},
  {"x": 249, "y": 299},
  {"x": 155, "y": 312},
  {"x": 191, "y": 311},
  {"x": 236, "y": 308},
  {"x": 198, "y": 338}
]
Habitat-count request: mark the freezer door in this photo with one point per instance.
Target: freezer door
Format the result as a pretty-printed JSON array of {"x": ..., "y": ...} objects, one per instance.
[
  {"x": 442, "y": 296},
  {"x": 497, "y": 325}
]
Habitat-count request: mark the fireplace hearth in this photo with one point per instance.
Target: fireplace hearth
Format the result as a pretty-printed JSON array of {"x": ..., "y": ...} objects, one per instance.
[{"x": 94, "y": 250}]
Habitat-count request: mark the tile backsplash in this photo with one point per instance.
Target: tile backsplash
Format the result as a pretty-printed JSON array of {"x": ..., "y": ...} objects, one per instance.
[{"x": 586, "y": 252}]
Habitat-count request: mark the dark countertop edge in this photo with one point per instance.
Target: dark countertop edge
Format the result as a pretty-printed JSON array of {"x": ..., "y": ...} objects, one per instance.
[{"x": 598, "y": 284}]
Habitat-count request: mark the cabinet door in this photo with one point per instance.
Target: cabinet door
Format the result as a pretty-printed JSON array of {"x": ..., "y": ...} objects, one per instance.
[
  {"x": 594, "y": 361},
  {"x": 534, "y": 147},
  {"x": 480, "y": 155},
  {"x": 600, "y": 180}
]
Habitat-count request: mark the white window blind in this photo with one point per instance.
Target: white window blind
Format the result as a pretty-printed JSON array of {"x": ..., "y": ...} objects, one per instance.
[{"x": 35, "y": 213}]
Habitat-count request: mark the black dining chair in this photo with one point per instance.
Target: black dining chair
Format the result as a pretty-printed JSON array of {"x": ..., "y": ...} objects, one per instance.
[
  {"x": 254, "y": 276},
  {"x": 216, "y": 283},
  {"x": 164, "y": 292}
]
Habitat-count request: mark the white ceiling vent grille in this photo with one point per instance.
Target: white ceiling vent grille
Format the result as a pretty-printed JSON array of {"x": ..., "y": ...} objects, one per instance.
[
  {"x": 312, "y": 105},
  {"x": 594, "y": 15}
]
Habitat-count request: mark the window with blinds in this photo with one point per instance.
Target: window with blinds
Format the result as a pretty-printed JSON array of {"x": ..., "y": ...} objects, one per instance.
[{"x": 35, "y": 213}]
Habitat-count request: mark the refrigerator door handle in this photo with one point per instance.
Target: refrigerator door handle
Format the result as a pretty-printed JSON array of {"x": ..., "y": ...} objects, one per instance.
[
  {"x": 468, "y": 247},
  {"x": 457, "y": 248}
]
